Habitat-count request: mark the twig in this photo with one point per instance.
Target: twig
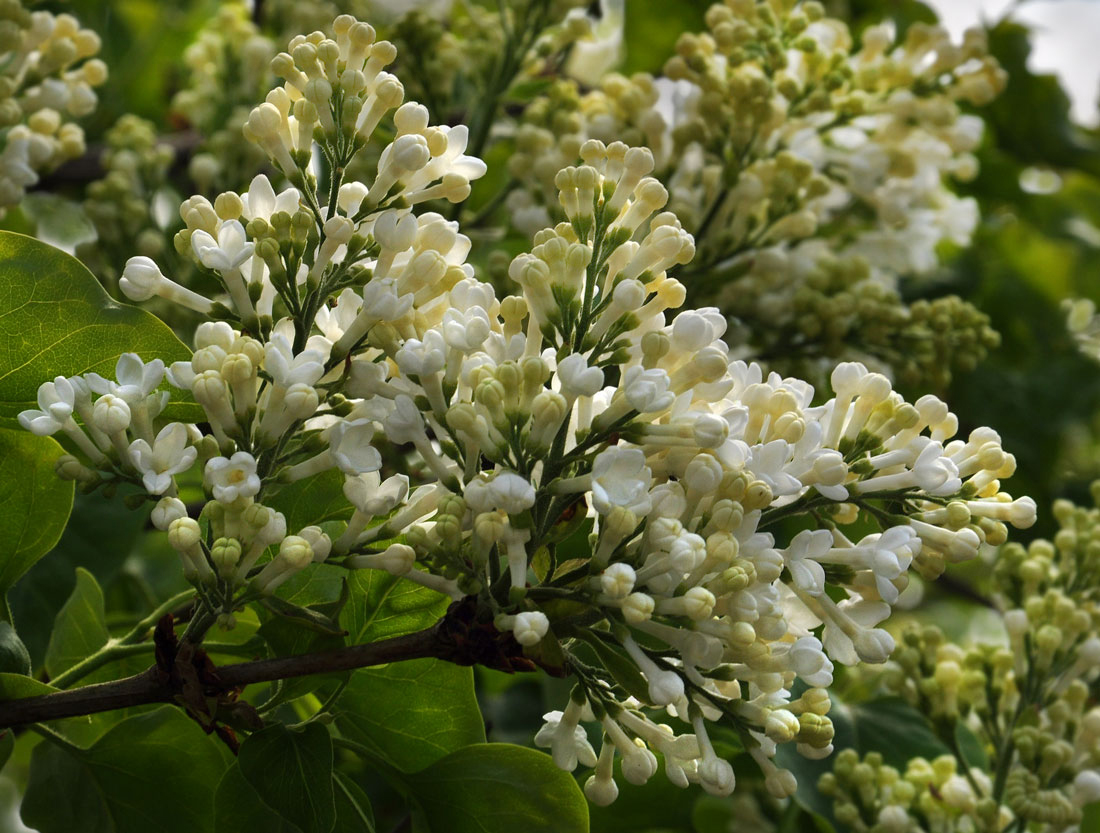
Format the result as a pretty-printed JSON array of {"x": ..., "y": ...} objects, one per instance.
[{"x": 150, "y": 686}]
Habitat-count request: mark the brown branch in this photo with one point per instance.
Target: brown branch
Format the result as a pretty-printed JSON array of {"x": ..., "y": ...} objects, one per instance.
[{"x": 151, "y": 686}]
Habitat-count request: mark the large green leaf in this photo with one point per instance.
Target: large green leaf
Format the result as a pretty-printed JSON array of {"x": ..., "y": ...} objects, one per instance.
[
  {"x": 34, "y": 502},
  {"x": 382, "y": 606},
  {"x": 155, "y": 771},
  {"x": 291, "y": 771},
  {"x": 411, "y": 713},
  {"x": 80, "y": 628},
  {"x": 499, "y": 788},
  {"x": 56, "y": 320}
]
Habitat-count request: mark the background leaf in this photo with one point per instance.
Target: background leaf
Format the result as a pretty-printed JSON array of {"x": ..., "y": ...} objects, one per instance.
[
  {"x": 81, "y": 626},
  {"x": 313, "y": 500},
  {"x": 101, "y": 534},
  {"x": 499, "y": 788},
  {"x": 382, "y": 606},
  {"x": 411, "y": 713},
  {"x": 291, "y": 771},
  {"x": 155, "y": 771},
  {"x": 34, "y": 503},
  {"x": 14, "y": 657},
  {"x": 238, "y": 808}
]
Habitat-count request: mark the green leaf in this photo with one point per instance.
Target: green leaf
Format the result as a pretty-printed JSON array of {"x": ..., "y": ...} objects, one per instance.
[
  {"x": 896, "y": 730},
  {"x": 34, "y": 502},
  {"x": 100, "y": 536},
  {"x": 354, "y": 813},
  {"x": 14, "y": 657},
  {"x": 411, "y": 713},
  {"x": 238, "y": 808},
  {"x": 499, "y": 788},
  {"x": 155, "y": 771},
  {"x": 382, "y": 606},
  {"x": 17, "y": 686},
  {"x": 291, "y": 771},
  {"x": 81, "y": 626},
  {"x": 313, "y": 500},
  {"x": 56, "y": 320},
  {"x": 971, "y": 747}
]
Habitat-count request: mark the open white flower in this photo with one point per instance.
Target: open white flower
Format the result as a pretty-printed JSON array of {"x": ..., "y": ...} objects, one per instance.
[
  {"x": 229, "y": 251},
  {"x": 168, "y": 455},
  {"x": 233, "y": 477},
  {"x": 260, "y": 200},
  {"x": 56, "y": 401},
  {"x": 136, "y": 379},
  {"x": 621, "y": 478},
  {"x": 351, "y": 449}
]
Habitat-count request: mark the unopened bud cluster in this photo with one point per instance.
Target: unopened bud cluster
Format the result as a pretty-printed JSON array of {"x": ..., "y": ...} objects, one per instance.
[
  {"x": 870, "y": 796},
  {"x": 47, "y": 79},
  {"x": 228, "y": 65},
  {"x": 121, "y": 205},
  {"x": 1027, "y": 701}
]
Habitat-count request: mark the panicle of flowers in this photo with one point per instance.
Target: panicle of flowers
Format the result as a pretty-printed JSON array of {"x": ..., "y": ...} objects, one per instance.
[
  {"x": 47, "y": 79},
  {"x": 770, "y": 80},
  {"x": 812, "y": 173},
  {"x": 590, "y": 469}
]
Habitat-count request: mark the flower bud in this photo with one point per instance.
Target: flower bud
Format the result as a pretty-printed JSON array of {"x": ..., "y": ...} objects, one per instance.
[{"x": 530, "y": 627}]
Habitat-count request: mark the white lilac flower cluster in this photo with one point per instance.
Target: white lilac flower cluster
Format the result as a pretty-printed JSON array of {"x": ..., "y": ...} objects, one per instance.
[
  {"x": 813, "y": 173},
  {"x": 590, "y": 467},
  {"x": 47, "y": 78}
]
